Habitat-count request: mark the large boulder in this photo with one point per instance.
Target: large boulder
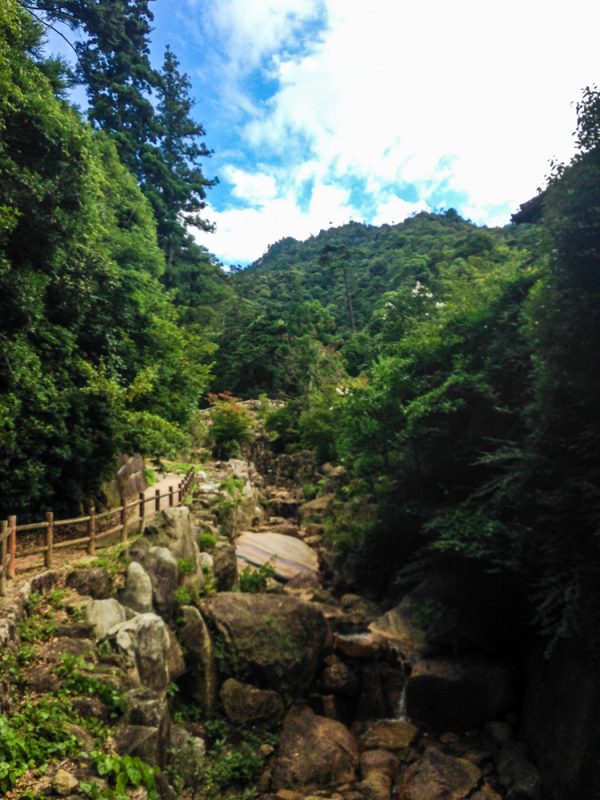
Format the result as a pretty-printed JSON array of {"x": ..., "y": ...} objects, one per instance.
[
  {"x": 437, "y": 776},
  {"x": 92, "y": 581},
  {"x": 270, "y": 641},
  {"x": 144, "y": 729},
  {"x": 201, "y": 679},
  {"x": 314, "y": 751},
  {"x": 245, "y": 704},
  {"x": 288, "y": 556},
  {"x": 517, "y": 774},
  {"x": 137, "y": 593},
  {"x": 225, "y": 566},
  {"x": 172, "y": 529},
  {"x": 161, "y": 566},
  {"x": 457, "y": 693},
  {"x": 103, "y": 615},
  {"x": 144, "y": 641},
  {"x": 390, "y": 734}
]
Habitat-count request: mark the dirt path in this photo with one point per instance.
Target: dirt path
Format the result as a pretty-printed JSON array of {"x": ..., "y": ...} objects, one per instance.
[{"x": 28, "y": 566}]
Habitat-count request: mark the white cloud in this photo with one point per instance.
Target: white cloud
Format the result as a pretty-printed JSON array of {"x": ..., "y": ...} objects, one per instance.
[{"x": 468, "y": 97}]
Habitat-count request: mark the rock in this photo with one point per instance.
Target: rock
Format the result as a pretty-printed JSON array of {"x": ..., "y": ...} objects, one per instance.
[
  {"x": 161, "y": 566},
  {"x": 172, "y": 529},
  {"x": 93, "y": 581},
  {"x": 376, "y": 786},
  {"x": 315, "y": 510},
  {"x": 394, "y": 734},
  {"x": 42, "y": 679},
  {"x": 85, "y": 739},
  {"x": 361, "y": 610},
  {"x": 200, "y": 659},
  {"x": 104, "y": 615},
  {"x": 457, "y": 694},
  {"x": 314, "y": 751},
  {"x": 437, "y": 776},
  {"x": 176, "y": 661},
  {"x": 137, "y": 594},
  {"x": 187, "y": 755},
  {"x": 206, "y": 563},
  {"x": 246, "y": 704},
  {"x": 338, "y": 678},
  {"x": 485, "y": 793},
  {"x": 373, "y": 703},
  {"x": 141, "y": 741},
  {"x": 367, "y": 646},
  {"x": 144, "y": 640},
  {"x": 378, "y": 761},
  {"x": 289, "y": 557},
  {"x": 225, "y": 566},
  {"x": 64, "y": 783},
  {"x": 270, "y": 641},
  {"x": 89, "y": 708},
  {"x": 145, "y": 728},
  {"x": 517, "y": 774}
]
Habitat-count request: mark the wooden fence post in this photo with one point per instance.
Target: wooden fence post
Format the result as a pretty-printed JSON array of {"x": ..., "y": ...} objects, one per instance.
[
  {"x": 157, "y": 499},
  {"x": 180, "y": 493},
  {"x": 3, "y": 552},
  {"x": 123, "y": 519},
  {"x": 142, "y": 510},
  {"x": 171, "y": 496},
  {"x": 12, "y": 546},
  {"x": 92, "y": 531},
  {"x": 49, "y": 539}
]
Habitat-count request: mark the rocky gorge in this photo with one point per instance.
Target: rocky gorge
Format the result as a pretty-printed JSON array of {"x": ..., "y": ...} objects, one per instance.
[{"x": 178, "y": 684}]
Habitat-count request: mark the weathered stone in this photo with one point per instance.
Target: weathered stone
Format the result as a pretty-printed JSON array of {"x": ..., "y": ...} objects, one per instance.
[
  {"x": 176, "y": 661},
  {"x": 147, "y": 707},
  {"x": 437, "y": 776},
  {"x": 200, "y": 659},
  {"x": 140, "y": 741},
  {"x": 172, "y": 529},
  {"x": 393, "y": 734},
  {"x": 367, "y": 646},
  {"x": 225, "y": 566},
  {"x": 314, "y": 751},
  {"x": 288, "y": 556},
  {"x": 269, "y": 641},
  {"x": 372, "y": 703},
  {"x": 93, "y": 581},
  {"x": 63, "y": 783},
  {"x": 338, "y": 678},
  {"x": 85, "y": 739},
  {"x": 376, "y": 786},
  {"x": 316, "y": 510},
  {"x": 244, "y": 703},
  {"x": 362, "y": 611},
  {"x": 137, "y": 593},
  {"x": 485, "y": 793},
  {"x": 104, "y": 615},
  {"x": 501, "y": 733},
  {"x": 90, "y": 708},
  {"x": 378, "y": 761},
  {"x": 161, "y": 566},
  {"x": 517, "y": 774},
  {"x": 144, "y": 640},
  {"x": 457, "y": 694}
]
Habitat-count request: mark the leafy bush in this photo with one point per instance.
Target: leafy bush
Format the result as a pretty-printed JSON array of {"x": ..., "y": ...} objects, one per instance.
[
  {"x": 254, "y": 580},
  {"x": 206, "y": 540},
  {"x": 231, "y": 426}
]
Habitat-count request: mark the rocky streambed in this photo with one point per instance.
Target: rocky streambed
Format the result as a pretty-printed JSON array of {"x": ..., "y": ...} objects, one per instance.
[{"x": 321, "y": 694}]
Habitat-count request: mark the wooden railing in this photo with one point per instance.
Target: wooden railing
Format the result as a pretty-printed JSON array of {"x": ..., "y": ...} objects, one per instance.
[{"x": 95, "y": 528}]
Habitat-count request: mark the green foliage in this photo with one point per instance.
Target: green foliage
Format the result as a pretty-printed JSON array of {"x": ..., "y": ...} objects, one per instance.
[
  {"x": 77, "y": 678},
  {"x": 94, "y": 359},
  {"x": 33, "y": 737},
  {"x": 230, "y": 426},
  {"x": 206, "y": 540},
  {"x": 123, "y": 772},
  {"x": 255, "y": 579}
]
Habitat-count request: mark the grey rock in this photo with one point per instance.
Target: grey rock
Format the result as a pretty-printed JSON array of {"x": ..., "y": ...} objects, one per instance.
[
  {"x": 104, "y": 615},
  {"x": 161, "y": 566},
  {"x": 144, "y": 641},
  {"x": 137, "y": 594}
]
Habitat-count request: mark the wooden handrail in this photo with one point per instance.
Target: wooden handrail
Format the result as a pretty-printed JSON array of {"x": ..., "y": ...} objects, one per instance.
[{"x": 9, "y": 529}]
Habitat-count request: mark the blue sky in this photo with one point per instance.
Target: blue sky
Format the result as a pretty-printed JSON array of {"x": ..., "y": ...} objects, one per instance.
[{"x": 322, "y": 111}]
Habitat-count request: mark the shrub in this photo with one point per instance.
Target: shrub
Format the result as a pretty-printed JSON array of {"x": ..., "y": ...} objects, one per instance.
[{"x": 231, "y": 426}]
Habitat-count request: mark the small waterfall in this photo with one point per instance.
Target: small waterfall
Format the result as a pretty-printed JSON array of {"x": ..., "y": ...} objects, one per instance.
[
  {"x": 401, "y": 707},
  {"x": 400, "y": 711}
]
